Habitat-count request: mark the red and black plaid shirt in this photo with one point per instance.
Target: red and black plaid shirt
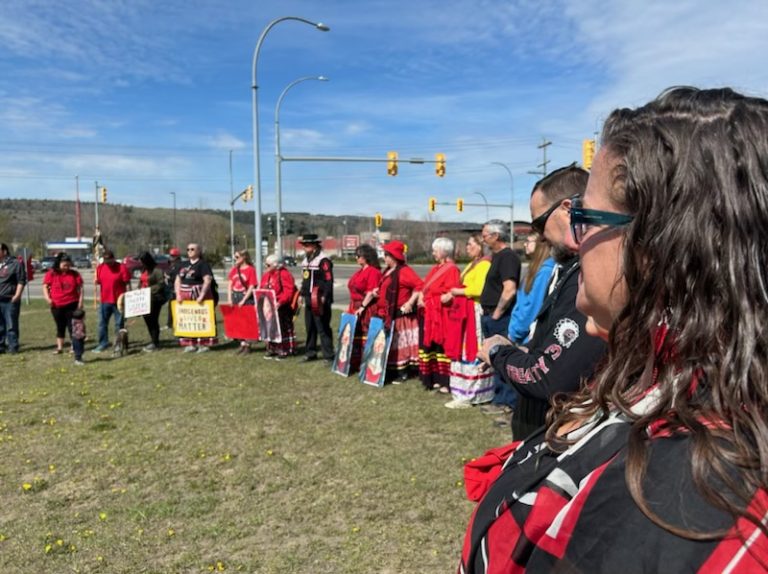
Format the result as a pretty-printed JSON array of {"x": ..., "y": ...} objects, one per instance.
[{"x": 572, "y": 512}]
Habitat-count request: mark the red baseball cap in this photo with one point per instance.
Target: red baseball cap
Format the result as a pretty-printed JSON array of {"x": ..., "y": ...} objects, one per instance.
[{"x": 174, "y": 251}]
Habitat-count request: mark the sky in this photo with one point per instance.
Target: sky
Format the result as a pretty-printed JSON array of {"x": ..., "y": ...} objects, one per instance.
[{"x": 152, "y": 98}]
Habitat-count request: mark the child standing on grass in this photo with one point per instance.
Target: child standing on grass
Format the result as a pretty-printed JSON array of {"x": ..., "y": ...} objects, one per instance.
[{"x": 78, "y": 335}]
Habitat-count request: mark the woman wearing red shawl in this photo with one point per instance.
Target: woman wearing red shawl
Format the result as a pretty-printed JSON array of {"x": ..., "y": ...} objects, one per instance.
[
  {"x": 395, "y": 302},
  {"x": 277, "y": 278},
  {"x": 434, "y": 365},
  {"x": 364, "y": 281}
]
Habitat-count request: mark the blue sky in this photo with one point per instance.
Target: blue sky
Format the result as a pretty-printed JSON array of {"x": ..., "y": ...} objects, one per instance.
[{"x": 149, "y": 97}]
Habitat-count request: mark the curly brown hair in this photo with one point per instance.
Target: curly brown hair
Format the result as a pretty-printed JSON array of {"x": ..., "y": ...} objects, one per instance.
[{"x": 693, "y": 170}]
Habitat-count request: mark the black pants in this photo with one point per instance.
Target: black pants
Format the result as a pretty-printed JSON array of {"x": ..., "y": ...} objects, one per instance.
[
  {"x": 319, "y": 324},
  {"x": 62, "y": 316},
  {"x": 153, "y": 321}
]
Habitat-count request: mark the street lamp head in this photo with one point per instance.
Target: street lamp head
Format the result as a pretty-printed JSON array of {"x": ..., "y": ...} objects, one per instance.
[{"x": 322, "y": 27}]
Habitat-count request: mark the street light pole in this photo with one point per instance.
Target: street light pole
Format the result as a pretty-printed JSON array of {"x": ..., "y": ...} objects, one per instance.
[
  {"x": 231, "y": 212},
  {"x": 173, "y": 193},
  {"x": 511, "y": 199},
  {"x": 279, "y": 161},
  {"x": 487, "y": 215},
  {"x": 255, "y": 106}
]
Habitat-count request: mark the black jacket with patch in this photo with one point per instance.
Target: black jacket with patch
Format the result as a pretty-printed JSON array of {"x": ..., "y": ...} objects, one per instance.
[{"x": 560, "y": 355}]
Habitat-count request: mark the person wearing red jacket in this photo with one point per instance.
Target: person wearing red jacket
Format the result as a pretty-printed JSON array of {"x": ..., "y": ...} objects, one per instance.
[
  {"x": 362, "y": 282},
  {"x": 63, "y": 291},
  {"x": 277, "y": 278}
]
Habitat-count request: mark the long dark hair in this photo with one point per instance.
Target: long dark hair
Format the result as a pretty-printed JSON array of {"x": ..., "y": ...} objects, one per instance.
[
  {"x": 369, "y": 254},
  {"x": 692, "y": 167},
  {"x": 147, "y": 261}
]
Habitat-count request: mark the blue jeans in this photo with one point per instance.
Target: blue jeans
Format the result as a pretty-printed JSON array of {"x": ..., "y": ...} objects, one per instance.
[
  {"x": 9, "y": 325},
  {"x": 503, "y": 394},
  {"x": 105, "y": 312}
]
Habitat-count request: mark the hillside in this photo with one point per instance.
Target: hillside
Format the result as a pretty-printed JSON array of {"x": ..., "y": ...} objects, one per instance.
[{"x": 30, "y": 223}]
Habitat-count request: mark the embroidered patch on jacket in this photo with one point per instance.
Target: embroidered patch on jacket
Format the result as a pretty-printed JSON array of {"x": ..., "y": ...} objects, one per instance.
[{"x": 566, "y": 332}]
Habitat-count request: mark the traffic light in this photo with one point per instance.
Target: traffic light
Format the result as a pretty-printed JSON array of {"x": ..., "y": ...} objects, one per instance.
[
  {"x": 459, "y": 205},
  {"x": 432, "y": 203},
  {"x": 377, "y": 220},
  {"x": 587, "y": 153},
  {"x": 248, "y": 195},
  {"x": 392, "y": 163},
  {"x": 440, "y": 164},
  {"x": 103, "y": 191}
]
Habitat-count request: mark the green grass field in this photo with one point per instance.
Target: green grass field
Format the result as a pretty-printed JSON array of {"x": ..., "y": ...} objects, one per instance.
[{"x": 168, "y": 462}]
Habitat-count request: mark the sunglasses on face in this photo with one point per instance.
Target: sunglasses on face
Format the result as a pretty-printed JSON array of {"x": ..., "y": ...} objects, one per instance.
[
  {"x": 540, "y": 222},
  {"x": 582, "y": 219}
]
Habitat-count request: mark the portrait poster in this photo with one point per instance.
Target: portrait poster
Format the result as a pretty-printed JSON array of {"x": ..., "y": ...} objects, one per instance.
[
  {"x": 240, "y": 322},
  {"x": 373, "y": 368},
  {"x": 268, "y": 321},
  {"x": 137, "y": 302},
  {"x": 341, "y": 362},
  {"x": 193, "y": 319}
]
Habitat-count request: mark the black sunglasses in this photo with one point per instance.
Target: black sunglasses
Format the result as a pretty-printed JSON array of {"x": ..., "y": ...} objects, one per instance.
[
  {"x": 582, "y": 219},
  {"x": 540, "y": 222}
]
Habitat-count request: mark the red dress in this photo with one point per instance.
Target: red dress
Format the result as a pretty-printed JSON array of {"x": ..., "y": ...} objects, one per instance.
[
  {"x": 396, "y": 287},
  {"x": 434, "y": 365}
]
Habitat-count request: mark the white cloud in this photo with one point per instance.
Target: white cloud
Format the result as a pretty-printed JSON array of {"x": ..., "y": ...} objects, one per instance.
[{"x": 226, "y": 141}]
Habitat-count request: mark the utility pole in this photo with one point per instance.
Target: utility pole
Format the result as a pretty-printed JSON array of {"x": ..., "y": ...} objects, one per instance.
[{"x": 543, "y": 165}]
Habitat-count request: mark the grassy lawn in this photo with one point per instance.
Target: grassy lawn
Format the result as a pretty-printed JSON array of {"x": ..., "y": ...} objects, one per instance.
[{"x": 169, "y": 462}]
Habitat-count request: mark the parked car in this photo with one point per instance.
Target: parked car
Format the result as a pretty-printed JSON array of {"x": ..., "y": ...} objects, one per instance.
[
  {"x": 82, "y": 262},
  {"x": 134, "y": 265},
  {"x": 46, "y": 263}
]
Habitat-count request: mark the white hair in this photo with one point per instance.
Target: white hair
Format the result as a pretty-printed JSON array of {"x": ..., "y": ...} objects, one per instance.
[
  {"x": 443, "y": 246},
  {"x": 272, "y": 260}
]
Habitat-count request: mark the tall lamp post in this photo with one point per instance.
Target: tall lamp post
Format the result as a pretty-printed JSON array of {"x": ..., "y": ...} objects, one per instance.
[
  {"x": 487, "y": 213},
  {"x": 173, "y": 193},
  {"x": 255, "y": 106},
  {"x": 279, "y": 160},
  {"x": 511, "y": 199}
]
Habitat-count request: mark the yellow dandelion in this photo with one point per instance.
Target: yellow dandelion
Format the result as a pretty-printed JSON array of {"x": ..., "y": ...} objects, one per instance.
[
  {"x": 459, "y": 483},
  {"x": 26, "y": 486},
  {"x": 102, "y": 516},
  {"x": 269, "y": 452},
  {"x": 51, "y": 468},
  {"x": 2, "y": 538},
  {"x": 59, "y": 542},
  {"x": 171, "y": 532},
  {"x": 48, "y": 548},
  {"x": 355, "y": 529},
  {"x": 220, "y": 566}
]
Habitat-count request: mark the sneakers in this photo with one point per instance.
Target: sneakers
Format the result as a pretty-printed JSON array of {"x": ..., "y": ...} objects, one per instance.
[
  {"x": 458, "y": 404},
  {"x": 202, "y": 349},
  {"x": 190, "y": 349},
  {"x": 150, "y": 348},
  {"x": 98, "y": 349},
  {"x": 79, "y": 363}
]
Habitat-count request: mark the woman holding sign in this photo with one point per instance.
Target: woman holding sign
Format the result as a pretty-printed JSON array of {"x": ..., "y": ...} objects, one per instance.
[
  {"x": 152, "y": 277},
  {"x": 242, "y": 282},
  {"x": 195, "y": 283},
  {"x": 277, "y": 278}
]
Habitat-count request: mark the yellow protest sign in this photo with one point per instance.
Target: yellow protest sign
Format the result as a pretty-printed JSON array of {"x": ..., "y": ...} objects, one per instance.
[{"x": 191, "y": 319}]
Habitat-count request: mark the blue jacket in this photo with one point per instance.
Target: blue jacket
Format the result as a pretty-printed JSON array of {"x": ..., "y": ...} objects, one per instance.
[{"x": 528, "y": 304}]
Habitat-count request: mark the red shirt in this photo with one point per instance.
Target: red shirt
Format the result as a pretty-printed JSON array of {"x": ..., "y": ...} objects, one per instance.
[
  {"x": 363, "y": 281},
  {"x": 64, "y": 287},
  {"x": 113, "y": 278},
  {"x": 248, "y": 274}
]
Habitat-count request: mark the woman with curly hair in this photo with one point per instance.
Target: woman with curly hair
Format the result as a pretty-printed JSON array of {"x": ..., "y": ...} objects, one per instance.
[{"x": 660, "y": 462}]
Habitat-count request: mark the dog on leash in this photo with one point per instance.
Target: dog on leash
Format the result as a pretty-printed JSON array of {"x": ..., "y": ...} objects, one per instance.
[{"x": 121, "y": 343}]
